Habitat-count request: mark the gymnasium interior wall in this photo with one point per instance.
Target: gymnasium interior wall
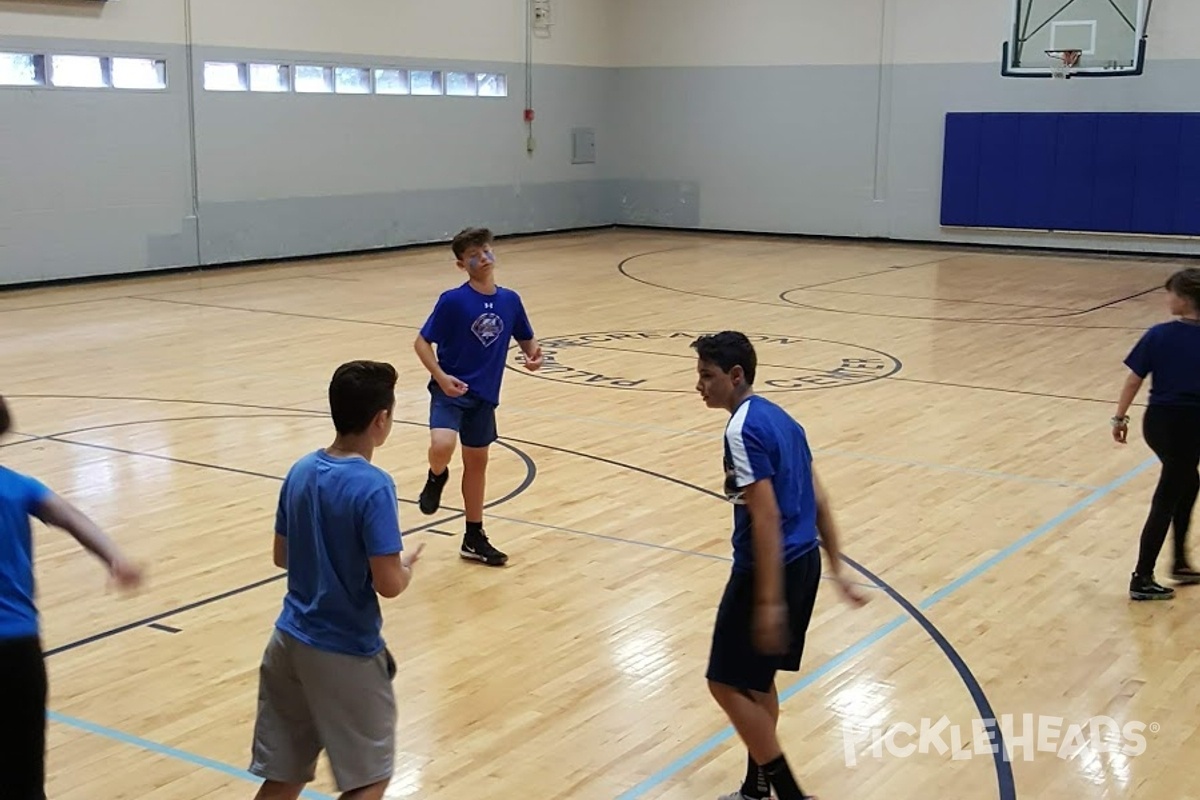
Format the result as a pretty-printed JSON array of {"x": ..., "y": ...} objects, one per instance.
[
  {"x": 799, "y": 116},
  {"x": 788, "y": 116},
  {"x": 104, "y": 181}
]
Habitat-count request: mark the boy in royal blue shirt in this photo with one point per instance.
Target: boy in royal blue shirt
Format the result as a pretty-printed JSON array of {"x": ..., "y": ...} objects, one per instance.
[
  {"x": 471, "y": 325},
  {"x": 22, "y": 665},
  {"x": 1170, "y": 352},
  {"x": 325, "y": 679},
  {"x": 780, "y": 517}
]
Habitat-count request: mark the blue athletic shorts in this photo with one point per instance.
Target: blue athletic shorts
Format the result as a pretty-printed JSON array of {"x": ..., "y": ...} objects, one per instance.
[{"x": 470, "y": 415}]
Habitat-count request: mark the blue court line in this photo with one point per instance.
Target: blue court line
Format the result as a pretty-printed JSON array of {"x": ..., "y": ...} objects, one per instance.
[
  {"x": 171, "y": 752},
  {"x": 715, "y": 741}
]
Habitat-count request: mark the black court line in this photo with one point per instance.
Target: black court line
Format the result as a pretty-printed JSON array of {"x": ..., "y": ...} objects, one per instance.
[
  {"x": 25, "y": 438},
  {"x": 1004, "y": 775},
  {"x": 894, "y": 376},
  {"x": 158, "y": 626},
  {"x": 293, "y": 314},
  {"x": 60, "y": 304},
  {"x": 530, "y": 476},
  {"x": 935, "y": 299},
  {"x": 548, "y": 344},
  {"x": 887, "y": 271},
  {"x": 163, "y": 400},
  {"x": 1029, "y": 321},
  {"x": 865, "y": 376},
  {"x": 622, "y": 268},
  {"x": 1002, "y": 390}
]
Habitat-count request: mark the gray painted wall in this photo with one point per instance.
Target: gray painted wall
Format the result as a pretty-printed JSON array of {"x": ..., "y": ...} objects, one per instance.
[
  {"x": 99, "y": 182},
  {"x": 842, "y": 151},
  {"x": 94, "y": 182},
  {"x": 296, "y": 174}
]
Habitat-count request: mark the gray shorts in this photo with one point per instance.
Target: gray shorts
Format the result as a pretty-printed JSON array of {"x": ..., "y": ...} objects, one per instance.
[{"x": 309, "y": 699}]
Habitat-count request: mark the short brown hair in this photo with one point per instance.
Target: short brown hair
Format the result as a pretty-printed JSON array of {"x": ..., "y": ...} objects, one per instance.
[
  {"x": 1186, "y": 283},
  {"x": 468, "y": 238},
  {"x": 360, "y": 390},
  {"x": 5, "y": 417}
]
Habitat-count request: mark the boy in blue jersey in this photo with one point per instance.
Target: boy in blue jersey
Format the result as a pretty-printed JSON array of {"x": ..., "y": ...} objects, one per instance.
[
  {"x": 780, "y": 517},
  {"x": 326, "y": 675},
  {"x": 1170, "y": 352},
  {"x": 22, "y": 665},
  {"x": 471, "y": 325}
]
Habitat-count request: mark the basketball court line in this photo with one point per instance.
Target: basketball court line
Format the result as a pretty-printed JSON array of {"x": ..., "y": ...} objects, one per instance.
[
  {"x": 633, "y": 426},
  {"x": 713, "y": 742},
  {"x": 934, "y": 299},
  {"x": 166, "y": 750},
  {"x": 621, "y": 268},
  {"x": 230, "y": 770}
]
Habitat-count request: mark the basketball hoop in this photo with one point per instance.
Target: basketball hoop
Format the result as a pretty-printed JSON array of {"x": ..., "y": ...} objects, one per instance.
[{"x": 1067, "y": 60}]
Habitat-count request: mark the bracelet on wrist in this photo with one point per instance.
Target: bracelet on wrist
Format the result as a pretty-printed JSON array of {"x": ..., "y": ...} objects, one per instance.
[{"x": 1119, "y": 422}]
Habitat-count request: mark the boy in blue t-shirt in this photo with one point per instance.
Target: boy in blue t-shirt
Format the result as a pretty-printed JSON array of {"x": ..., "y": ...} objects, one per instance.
[
  {"x": 22, "y": 665},
  {"x": 326, "y": 675},
  {"x": 780, "y": 516},
  {"x": 471, "y": 325},
  {"x": 1170, "y": 352}
]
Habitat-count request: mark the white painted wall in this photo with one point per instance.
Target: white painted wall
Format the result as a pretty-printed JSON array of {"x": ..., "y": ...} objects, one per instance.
[
  {"x": 660, "y": 33},
  {"x": 478, "y": 30},
  {"x": 680, "y": 33},
  {"x": 158, "y": 21}
]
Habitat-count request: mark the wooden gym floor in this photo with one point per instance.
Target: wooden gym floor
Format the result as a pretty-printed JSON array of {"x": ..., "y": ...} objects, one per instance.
[{"x": 958, "y": 404}]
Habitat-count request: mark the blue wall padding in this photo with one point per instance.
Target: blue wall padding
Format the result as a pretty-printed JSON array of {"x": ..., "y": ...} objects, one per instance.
[{"x": 1112, "y": 173}]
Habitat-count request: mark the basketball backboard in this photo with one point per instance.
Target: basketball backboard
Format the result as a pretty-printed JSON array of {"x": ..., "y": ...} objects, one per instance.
[{"x": 1109, "y": 35}]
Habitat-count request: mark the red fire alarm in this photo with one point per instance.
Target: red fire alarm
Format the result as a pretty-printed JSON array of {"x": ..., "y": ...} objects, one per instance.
[{"x": 529, "y": 115}]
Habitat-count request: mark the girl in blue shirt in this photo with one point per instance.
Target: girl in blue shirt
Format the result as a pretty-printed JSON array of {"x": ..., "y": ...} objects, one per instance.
[
  {"x": 22, "y": 667},
  {"x": 1170, "y": 352}
]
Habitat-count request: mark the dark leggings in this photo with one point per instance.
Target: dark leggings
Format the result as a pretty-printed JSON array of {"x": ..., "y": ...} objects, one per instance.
[
  {"x": 23, "y": 758},
  {"x": 1173, "y": 433}
]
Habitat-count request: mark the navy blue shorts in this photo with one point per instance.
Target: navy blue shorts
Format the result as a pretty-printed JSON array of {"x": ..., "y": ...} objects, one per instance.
[
  {"x": 734, "y": 659},
  {"x": 470, "y": 415}
]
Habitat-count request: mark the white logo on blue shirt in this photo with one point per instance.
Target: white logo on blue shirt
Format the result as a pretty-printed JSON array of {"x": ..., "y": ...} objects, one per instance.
[{"x": 488, "y": 327}]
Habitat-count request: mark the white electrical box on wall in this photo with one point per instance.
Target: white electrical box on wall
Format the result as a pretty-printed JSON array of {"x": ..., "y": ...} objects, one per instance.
[{"x": 541, "y": 16}]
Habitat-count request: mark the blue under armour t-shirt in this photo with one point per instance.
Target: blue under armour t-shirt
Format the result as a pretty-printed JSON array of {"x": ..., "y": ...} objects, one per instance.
[
  {"x": 763, "y": 441},
  {"x": 20, "y": 497},
  {"x": 472, "y": 331},
  {"x": 335, "y": 514},
  {"x": 1170, "y": 352}
]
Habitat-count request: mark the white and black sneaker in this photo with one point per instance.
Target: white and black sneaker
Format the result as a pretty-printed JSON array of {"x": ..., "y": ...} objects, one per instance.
[{"x": 476, "y": 547}]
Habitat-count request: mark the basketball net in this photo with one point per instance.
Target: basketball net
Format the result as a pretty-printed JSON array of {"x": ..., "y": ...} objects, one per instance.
[{"x": 1067, "y": 60}]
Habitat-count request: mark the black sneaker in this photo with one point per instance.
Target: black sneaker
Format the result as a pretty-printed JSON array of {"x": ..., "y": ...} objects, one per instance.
[
  {"x": 431, "y": 495},
  {"x": 1185, "y": 574},
  {"x": 1146, "y": 588},
  {"x": 476, "y": 547}
]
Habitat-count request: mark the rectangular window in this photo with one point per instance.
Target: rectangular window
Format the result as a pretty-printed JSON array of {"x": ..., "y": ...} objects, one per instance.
[
  {"x": 460, "y": 84},
  {"x": 314, "y": 80},
  {"x": 269, "y": 78},
  {"x": 222, "y": 76},
  {"x": 352, "y": 80},
  {"x": 139, "y": 73},
  {"x": 22, "y": 69},
  {"x": 391, "y": 81},
  {"x": 425, "y": 81},
  {"x": 492, "y": 84},
  {"x": 78, "y": 71}
]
